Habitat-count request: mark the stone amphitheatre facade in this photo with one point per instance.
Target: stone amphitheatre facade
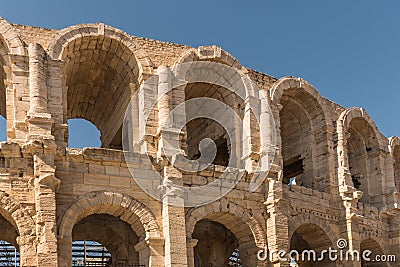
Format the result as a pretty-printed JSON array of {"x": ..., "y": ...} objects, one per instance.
[{"x": 347, "y": 172}]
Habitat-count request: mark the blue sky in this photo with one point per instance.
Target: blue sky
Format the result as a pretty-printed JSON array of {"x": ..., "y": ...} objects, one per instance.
[{"x": 349, "y": 50}]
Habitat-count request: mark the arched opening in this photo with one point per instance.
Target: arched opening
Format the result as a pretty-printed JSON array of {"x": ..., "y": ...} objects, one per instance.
[
  {"x": 201, "y": 128},
  {"x": 396, "y": 162},
  {"x": 90, "y": 253},
  {"x": 224, "y": 240},
  {"x": 9, "y": 255},
  {"x": 304, "y": 140},
  {"x": 217, "y": 246},
  {"x": 83, "y": 133},
  {"x": 111, "y": 241},
  {"x": 99, "y": 73},
  {"x": 9, "y": 249},
  {"x": 375, "y": 248},
  {"x": 310, "y": 237},
  {"x": 363, "y": 156}
]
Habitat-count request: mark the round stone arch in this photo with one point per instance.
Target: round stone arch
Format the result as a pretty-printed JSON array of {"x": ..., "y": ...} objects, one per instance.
[
  {"x": 230, "y": 208},
  {"x": 12, "y": 211},
  {"x": 24, "y": 224},
  {"x": 137, "y": 215},
  {"x": 11, "y": 37},
  {"x": 343, "y": 127},
  {"x": 288, "y": 95},
  {"x": 68, "y": 35},
  {"x": 211, "y": 65},
  {"x": 215, "y": 54},
  {"x": 289, "y": 82},
  {"x": 304, "y": 219},
  {"x": 378, "y": 240},
  {"x": 351, "y": 113}
]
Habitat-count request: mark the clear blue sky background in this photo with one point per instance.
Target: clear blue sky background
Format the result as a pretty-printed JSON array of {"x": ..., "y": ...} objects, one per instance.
[{"x": 349, "y": 50}]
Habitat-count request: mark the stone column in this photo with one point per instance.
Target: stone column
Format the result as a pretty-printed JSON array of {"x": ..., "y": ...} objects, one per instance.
[
  {"x": 173, "y": 211},
  {"x": 37, "y": 79},
  {"x": 39, "y": 120},
  {"x": 190, "y": 244},
  {"x": 277, "y": 222},
  {"x": 151, "y": 251},
  {"x": 46, "y": 184}
]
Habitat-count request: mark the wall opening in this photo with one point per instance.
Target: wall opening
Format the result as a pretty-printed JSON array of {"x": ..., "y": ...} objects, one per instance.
[
  {"x": 364, "y": 163},
  {"x": 90, "y": 253},
  {"x": 99, "y": 73},
  {"x": 296, "y": 144},
  {"x": 9, "y": 249},
  {"x": 224, "y": 240},
  {"x": 304, "y": 140},
  {"x": 310, "y": 237},
  {"x": 83, "y": 133},
  {"x": 375, "y": 248},
  {"x": 293, "y": 167},
  {"x": 113, "y": 234},
  {"x": 200, "y": 128},
  {"x": 217, "y": 246}
]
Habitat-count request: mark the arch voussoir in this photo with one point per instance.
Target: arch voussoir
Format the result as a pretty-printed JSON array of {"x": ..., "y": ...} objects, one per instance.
[
  {"x": 234, "y": 213},
  {"x": 120, "y": 205}
]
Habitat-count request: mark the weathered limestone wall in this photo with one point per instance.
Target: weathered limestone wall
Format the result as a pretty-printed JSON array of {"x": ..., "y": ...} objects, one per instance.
[{"x": 347, "y": 172}]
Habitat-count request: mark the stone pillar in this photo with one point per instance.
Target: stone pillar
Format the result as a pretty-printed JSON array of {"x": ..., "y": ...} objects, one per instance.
[
  {"x": 277, "y": 223},
  {"x": 17, "y": 102},
  {"x": 394, "y": 234},
  {"x": 173, "y": 211},
  {"x": 46, "y": 184},
  {"x": 39, "y": 120},
  {"x": 252, "y": 110},
  {"x": 27, "y": 251},
  {"x": 190, "y": 244},
  {"x": 64, "y": 246},
  {"x": 349, "y": 228},
  {"x": 173, "y": 218},
  {"x": 56, "y": 102},
  {"x": 151, "y": 252},
  {"x": 346, "y": 187}
]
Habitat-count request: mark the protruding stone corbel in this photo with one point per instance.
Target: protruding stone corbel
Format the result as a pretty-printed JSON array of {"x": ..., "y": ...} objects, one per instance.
[
  {"x": 354, "y": 217},
  {"x": 49, "y": 180},
  {"x": 32, "y": 147},
  {"x": 168, "y": 189}
]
